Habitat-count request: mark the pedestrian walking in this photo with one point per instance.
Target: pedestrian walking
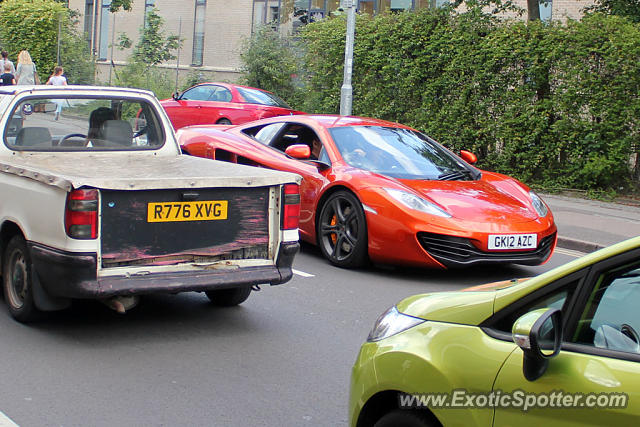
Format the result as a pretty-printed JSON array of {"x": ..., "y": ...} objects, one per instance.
[
  {"x": 7, "y": 78},
  {"x": 26, "y": 73},
  {"x": 57, "y": 79},
  {"x": 5, "y": 60}
]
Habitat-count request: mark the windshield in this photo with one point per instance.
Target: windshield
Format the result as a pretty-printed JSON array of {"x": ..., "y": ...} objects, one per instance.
[
  {"x": 83, "y": 124},
  {"x": 399, "y": 153},
  {"x": 255, "y": 96}
]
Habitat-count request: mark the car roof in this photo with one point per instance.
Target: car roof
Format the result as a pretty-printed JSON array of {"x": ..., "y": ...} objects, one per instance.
[
  {"x": 16, "y": 89},
  {"x": 335, "y": 120}
]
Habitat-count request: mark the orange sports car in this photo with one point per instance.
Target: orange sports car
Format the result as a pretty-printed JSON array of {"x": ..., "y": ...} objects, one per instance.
[{"x": 381, "y": 191}]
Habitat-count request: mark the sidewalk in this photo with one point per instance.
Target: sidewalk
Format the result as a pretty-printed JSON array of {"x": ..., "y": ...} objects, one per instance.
[{"x": 589, "y": 225}]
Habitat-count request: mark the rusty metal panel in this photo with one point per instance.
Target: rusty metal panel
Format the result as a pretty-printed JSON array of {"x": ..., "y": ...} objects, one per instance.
[{"x": 130, "y": 236}]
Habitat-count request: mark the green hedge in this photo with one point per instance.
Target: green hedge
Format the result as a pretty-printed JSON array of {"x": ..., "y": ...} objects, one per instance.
[{"x": 555, "y": 105}]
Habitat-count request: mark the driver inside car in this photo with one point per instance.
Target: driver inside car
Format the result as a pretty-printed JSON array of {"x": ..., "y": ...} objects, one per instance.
[{"x": 96, "y": 120}]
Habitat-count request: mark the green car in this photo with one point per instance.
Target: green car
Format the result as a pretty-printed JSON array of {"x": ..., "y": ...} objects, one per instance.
[{"x": 560, "y": 349}]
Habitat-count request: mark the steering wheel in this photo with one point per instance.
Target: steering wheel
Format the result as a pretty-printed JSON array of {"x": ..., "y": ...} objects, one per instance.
[
  {"x": 628, "y": 331},
  {"x": 71, "y": 135},
  {"x": 141, "y": 131}
]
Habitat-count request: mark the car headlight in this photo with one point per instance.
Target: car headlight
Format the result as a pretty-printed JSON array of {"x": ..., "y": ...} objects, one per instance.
[
  {"x": 414, "y": 202},
  {"x": 540, "y": 207},
  {"x": 390, "y": 323}
]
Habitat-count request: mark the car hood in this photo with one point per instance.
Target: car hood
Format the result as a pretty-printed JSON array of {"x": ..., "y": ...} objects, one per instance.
[
  {"x": 489, "y": 199},
  {"x": 469, "y": 308}
]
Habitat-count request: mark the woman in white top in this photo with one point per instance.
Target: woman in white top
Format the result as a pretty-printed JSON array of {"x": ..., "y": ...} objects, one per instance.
[
  {"x": 26, "y": 70},
  {"x": 57, "y": 79}
]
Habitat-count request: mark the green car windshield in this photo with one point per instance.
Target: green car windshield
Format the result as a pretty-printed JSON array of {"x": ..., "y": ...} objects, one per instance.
[
  {"x": 81, "y": 123},
  {"x": 398, "y": 153}
]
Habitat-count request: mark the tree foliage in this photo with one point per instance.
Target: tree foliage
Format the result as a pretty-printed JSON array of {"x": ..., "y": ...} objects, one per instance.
[
  {"x": 627, "y": 8},
  {"x": 269, "y": 62},
  {"x": 553, "y": 105},
  {"x": 153, "y": 48},
  {"x": 118, "y": 4},
  {"x": 33, "y": 25}
]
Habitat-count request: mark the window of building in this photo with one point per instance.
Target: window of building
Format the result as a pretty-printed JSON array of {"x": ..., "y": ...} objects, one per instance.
[
  {"x": 266, "y": 12},
  {"x": 89, "y": 16},
  {"x": 148, "y": 7},
  {"x": 545, "y": 11},
  {"x": 103, "y": 46},
  {"x": 198, "y": 33}
]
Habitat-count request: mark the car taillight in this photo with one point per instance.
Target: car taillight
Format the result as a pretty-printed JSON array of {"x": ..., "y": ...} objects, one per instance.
[
  {"x": 291, "y": 207},
  {"x": 81, "y": 214}
]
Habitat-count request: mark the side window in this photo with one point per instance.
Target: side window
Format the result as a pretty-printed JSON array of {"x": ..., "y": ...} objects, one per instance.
[
  {"x": 266, "y": 133},
  {"x": 557, "y": 298},
  {"x": 610, "y": 318},
  {"x": 198, "y": 93},
  {"x": 221, "y": 94}
]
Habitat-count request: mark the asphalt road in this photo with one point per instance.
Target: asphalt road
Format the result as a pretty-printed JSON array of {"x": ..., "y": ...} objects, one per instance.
[{"x": 283, "y": 358}]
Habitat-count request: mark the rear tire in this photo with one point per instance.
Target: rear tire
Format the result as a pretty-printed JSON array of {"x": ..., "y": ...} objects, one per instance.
[
  {"x": 223, "y": 122},
  {"x": 229, "y": 297},
  {"x": 405, "y": 418},
  {"x": 17, "y": 282}
]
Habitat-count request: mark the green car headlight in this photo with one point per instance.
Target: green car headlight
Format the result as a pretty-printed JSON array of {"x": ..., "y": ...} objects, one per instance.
[
  {"x": 414, "y": 202},
  {"x": 392, "y": 322},
  {"x": 538, "y": 204}
]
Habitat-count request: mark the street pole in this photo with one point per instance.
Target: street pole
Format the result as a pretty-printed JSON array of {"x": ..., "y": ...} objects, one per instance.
[
  {"x": 59, "y": 32},
  {"x": 178, "y": 56},
  {"x": 113, "y": 41},
  {"x": 346, "y": 92}
]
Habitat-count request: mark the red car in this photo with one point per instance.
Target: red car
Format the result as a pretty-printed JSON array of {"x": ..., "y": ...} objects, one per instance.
[
  {"x": 222, "y": 103},
  {"x": 382, "y": 191}
]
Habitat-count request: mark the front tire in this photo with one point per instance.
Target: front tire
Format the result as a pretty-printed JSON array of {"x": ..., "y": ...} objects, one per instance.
[
  {"x": 342, "y": 230},
  {"x": 229, "y": 297},
  {"x": 17, "y": 281},
  {"x": 405, "y": 418}
]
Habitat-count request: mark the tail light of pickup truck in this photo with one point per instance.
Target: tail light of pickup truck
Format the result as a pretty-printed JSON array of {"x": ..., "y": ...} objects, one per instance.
[
  {"x": 291, "y": 207},
  {"x": 81, "y": 214}
]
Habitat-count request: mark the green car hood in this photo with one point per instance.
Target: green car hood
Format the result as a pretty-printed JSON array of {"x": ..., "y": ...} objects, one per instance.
[{"x": 472, "y": 306}]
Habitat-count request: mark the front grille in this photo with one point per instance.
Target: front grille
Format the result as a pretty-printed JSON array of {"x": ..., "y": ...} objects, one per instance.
[{"x": 455, "y": 251}]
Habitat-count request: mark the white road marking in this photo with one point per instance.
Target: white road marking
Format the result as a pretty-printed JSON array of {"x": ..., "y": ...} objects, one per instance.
[
  {"x": 569, "y": 252},
  {"x": 302, "y": 273},
  {"x": 6, "y": 421}
]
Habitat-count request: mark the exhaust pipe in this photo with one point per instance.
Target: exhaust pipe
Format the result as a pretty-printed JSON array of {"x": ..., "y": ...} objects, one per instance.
[{"x": 121, "y": 304}]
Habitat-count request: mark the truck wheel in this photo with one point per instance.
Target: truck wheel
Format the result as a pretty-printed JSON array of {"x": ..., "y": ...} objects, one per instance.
[
  {"x": 229, "y": 297},
  {"x": 18, "y": 289}
]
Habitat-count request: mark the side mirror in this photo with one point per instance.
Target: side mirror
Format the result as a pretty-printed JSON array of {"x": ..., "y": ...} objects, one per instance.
[
  {"x": 539, "y": 335},
  {"x": 468, "y": 156},
  {"x": 298, "y": 151},
  {"x": 176, "y": 95}
]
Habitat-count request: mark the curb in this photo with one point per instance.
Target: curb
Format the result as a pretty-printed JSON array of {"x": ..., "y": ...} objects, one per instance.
[{"x": 578, "y": 245}]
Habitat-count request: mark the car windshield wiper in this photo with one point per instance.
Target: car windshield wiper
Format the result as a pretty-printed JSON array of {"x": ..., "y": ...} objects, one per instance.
[{"x": 452, "y": 176}]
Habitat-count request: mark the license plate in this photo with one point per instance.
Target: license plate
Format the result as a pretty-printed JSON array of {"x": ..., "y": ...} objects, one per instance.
[
  {"x": 512, "y": 241},
  {"x": 187, "y": 211}
]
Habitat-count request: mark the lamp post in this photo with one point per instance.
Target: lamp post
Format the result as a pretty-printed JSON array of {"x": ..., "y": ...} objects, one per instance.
[{"x": 346, "y": 91}]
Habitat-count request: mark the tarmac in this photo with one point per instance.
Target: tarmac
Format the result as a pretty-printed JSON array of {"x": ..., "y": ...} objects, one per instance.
[{"x": 589, "y": 225}]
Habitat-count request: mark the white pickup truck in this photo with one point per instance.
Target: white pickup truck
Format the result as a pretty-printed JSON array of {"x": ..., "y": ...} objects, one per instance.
[{"x": 97, "y": 202}]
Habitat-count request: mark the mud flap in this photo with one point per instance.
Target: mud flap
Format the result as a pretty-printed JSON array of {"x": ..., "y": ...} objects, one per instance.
[{"x": 44, "y": 301}]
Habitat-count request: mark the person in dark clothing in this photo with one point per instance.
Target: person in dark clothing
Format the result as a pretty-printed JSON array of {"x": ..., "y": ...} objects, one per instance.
[{"x": 7, "y": 78}]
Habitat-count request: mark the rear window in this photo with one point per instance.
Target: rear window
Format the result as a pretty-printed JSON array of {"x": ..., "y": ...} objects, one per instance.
[
  {"x": 83, "y": 124},
  {"x": 255, "y": 96}
]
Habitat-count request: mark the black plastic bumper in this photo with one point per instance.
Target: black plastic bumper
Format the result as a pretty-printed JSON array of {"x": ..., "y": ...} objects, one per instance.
[{"x": 74, "y": 275}]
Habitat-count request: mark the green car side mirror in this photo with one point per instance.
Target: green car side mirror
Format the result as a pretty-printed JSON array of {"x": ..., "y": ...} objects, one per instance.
[{"x": 539, "y": 335}]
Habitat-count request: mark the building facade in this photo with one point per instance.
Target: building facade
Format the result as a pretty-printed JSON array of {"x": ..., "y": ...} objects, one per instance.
[{"x": 213, "y": 30}]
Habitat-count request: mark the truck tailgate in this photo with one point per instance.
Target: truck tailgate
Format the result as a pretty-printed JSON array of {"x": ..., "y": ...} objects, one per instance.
[{"x": 172, "y": 226}]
